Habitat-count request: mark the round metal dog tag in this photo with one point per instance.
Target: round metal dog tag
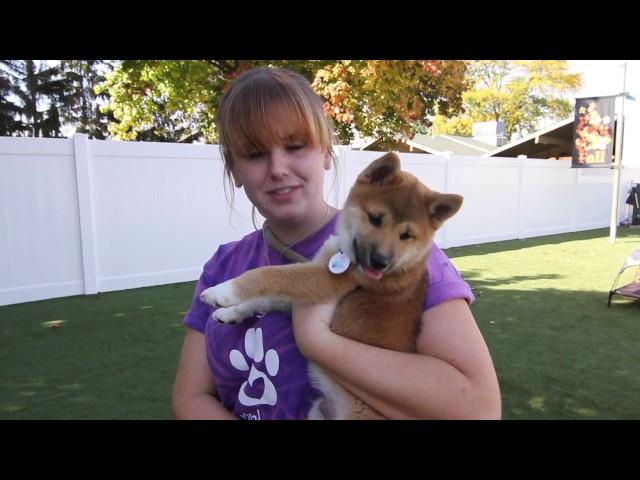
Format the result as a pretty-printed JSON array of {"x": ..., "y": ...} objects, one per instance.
[{"x": 339, "y": 263}]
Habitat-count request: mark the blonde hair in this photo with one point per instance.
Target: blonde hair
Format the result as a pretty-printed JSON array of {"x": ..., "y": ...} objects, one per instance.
[{"x": 251, "y": 114}]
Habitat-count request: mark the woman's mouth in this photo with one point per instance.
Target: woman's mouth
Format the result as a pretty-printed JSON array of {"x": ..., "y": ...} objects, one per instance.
[{"x": 283, "y": 194}]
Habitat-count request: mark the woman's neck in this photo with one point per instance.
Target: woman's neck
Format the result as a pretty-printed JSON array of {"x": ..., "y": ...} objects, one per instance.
[{"x": 291, "y": 233}]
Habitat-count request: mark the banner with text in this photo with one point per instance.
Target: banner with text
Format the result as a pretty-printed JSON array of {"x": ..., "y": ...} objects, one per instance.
[{"x": 593, "y": 132}]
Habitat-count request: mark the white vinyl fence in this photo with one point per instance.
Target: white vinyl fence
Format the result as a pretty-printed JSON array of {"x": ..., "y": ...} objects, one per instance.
[{"x": 81, "y": 216}]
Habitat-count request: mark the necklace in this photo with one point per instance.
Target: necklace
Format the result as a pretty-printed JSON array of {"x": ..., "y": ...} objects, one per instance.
[{"x": 269, "y": 238}]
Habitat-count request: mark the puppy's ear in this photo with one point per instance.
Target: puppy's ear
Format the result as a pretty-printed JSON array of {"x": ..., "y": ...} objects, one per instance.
[
  {"x": 443, "y": 206},
  {"x": 381, "y": 171}
]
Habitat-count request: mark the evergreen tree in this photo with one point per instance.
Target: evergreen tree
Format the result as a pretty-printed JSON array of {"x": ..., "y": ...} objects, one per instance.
[
  {"x": 9, "y": 111},
  {"x": 40, "y": 89},
  {"x": 81, "y": 107}
]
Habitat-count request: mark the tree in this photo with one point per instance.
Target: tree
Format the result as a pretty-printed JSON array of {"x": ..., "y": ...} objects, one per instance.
[
  {"x": 177, "y": 100},
  {"x": 172, "y": 100},
  {"x": 460, "y": 125},
  {"x": 389, "y": 99},
  {"x": 81, "y": 106},
  {"x": 9, "y": 111},
  {"x": 40, "y": 89},
  {"x": 520, "y": 93}
]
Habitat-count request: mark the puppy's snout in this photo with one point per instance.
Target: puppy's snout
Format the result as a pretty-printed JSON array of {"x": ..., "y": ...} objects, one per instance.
[{"x": 378, "y": 261}]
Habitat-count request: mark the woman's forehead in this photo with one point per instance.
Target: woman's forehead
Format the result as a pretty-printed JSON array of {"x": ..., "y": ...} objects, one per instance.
[
  {"x": 272, "y": 124},
  {"x": 275, "y": 131},
  {"x": 284, "y": 123}
]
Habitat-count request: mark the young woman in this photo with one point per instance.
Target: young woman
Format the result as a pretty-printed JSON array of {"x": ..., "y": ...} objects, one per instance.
[{"x": 277, "y": 144}]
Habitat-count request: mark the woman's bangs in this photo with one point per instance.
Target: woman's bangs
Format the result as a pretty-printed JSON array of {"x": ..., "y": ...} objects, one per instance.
[{"x": 269, "y": 122}]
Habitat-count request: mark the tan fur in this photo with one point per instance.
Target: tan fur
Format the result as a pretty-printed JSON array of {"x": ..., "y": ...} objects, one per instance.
[{"x": 385, "y": 312}]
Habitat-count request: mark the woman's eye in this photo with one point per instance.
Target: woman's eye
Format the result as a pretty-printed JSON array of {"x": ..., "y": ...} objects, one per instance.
[
  {"x": 295, "y": 146},
  {"x": 375, "y": 220},
  {"x": 255, "y": 155}
]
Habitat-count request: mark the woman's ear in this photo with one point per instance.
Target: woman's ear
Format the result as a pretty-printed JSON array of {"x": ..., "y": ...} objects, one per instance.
[
  {"x": 327, "y": 161},
  {"x": 231, "y": 175}
]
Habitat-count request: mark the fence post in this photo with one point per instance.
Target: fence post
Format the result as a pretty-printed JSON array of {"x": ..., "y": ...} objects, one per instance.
[
  {"x": 576, "y": 199},
  {"x": 521, "y": 166},
  {"x": 85, "y": 209},
  {"x": 341, "y": 183}
]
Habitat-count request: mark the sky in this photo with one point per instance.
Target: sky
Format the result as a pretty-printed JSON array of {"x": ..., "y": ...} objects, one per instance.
[{"x": 604, "y": 77}]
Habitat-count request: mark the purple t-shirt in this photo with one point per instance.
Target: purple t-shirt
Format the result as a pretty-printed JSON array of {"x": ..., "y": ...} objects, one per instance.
[{"x": 258, "y": 370}]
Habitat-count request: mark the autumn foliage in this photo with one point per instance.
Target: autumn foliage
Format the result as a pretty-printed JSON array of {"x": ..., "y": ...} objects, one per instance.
[{"x": 386, "y": 99}]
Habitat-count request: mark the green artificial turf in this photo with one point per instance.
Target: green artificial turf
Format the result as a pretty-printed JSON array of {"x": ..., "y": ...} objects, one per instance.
[
  {"x": 114, "y": 357},
  {"x": 541, "y": 304}
]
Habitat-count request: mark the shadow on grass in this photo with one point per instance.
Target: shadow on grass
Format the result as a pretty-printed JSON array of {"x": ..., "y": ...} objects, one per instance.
[
  {"x": 561, "y": 354},
  {"x": 625, "y": 235}
]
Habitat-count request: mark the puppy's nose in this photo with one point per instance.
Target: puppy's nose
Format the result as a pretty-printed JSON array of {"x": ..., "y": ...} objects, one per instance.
[{"x": 377, "y": 260}]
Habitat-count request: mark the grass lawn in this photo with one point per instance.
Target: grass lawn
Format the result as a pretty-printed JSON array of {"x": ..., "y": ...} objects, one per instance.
[
  {"x": 559, "y": 351},
  {"x": 541, "y": 303},
  {"x": 114, "y": 358}
]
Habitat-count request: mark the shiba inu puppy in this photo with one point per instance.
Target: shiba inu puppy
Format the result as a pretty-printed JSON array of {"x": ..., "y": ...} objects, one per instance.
[{"x": 376, "y": 265}]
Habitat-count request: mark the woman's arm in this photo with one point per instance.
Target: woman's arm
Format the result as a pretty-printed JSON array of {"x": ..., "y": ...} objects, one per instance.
[
  {"x": 451, "y": 376},
  {"x": 194, "y": 390}
]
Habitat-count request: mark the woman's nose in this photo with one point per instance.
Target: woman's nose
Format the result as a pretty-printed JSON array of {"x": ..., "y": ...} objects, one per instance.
[{"x": 279, "y": 163}]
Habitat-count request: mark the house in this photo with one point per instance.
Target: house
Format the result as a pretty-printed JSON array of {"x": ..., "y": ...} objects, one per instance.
[
  {"x": 489, "y": 140},
  {"x": 553, "y": 142},
  {"x": 437, "y": 145},
  {"x": 486, "y": 137}
]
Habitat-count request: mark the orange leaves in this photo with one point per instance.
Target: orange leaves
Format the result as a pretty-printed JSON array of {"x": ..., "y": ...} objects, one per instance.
[
  {"x": 431, "y": 66},
  {"x": 338, "y": 113},
  {"x": 333, "y": 83},
  {"x": 386, "y": 98}
]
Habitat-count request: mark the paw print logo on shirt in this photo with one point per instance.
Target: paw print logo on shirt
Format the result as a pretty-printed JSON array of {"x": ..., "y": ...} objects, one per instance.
[{"x": 254, "y": 350}]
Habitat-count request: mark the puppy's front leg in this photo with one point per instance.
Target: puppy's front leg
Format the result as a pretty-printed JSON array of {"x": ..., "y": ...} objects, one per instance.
[
  {"x": 246, "y": 309},
  {"x": 311, "y": 282}
]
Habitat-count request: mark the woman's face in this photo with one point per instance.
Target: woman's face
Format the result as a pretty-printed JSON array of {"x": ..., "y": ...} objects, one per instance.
[{"x": 285, "y": 182}]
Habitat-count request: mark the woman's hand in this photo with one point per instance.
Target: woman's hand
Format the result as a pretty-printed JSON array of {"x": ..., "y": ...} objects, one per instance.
[{"x": 311, "y": 323}]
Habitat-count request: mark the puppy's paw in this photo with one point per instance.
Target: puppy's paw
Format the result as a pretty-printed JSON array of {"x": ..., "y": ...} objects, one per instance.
[
  {"x": 229, "y": 315},
  {"x": 220, "y": 295}
]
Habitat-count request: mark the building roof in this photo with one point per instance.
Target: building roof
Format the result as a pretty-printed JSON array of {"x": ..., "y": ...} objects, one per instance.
[
  {"x": 442, "y": 143},
  {"x": 554, "y": 141},
  {"x": 451, "y": 143},
  {"x": 551, "y": 142}
]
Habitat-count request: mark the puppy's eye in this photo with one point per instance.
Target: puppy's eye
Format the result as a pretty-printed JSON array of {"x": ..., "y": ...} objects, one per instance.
[
  {"x": 406, "y": 236},
  {"x": 375, "y": 220}
]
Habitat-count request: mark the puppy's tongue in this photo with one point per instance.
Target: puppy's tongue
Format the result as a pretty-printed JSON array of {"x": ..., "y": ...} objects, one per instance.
[{"x": 371, "y": 273}]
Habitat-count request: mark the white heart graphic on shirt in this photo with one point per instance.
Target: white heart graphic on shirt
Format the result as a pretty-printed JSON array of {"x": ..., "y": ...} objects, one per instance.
[{"x": 254, "y": 349}]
